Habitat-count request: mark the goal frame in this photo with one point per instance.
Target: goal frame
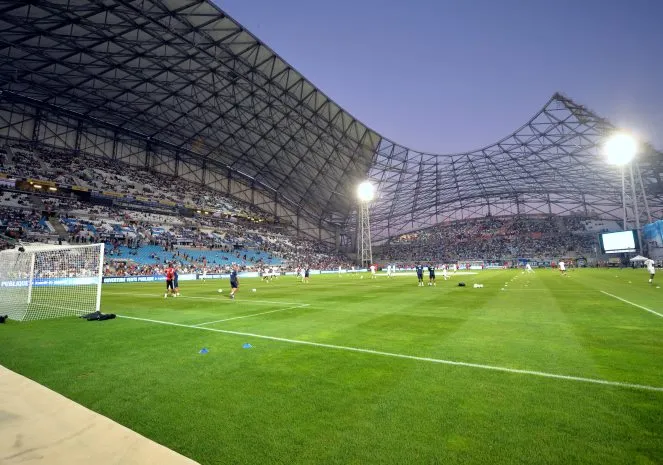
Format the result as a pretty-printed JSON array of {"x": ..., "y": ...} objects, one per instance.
[{"x": 35, "y": 248}]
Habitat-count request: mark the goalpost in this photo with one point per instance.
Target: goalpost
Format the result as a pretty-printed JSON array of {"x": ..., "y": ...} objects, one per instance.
[{"x": 41, "y": 281}]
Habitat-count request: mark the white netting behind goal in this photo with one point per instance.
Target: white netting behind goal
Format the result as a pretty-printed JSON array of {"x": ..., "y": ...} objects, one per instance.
[{"x": 50, "y": 281}]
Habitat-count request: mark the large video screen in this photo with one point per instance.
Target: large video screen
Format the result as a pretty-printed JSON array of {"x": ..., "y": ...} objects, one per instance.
[{"x": 619, "y": 242}]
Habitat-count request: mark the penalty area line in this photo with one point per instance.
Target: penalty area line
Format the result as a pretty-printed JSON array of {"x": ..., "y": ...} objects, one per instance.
[
  {"x": 541, "y": 374},
  {"x": 249, "y": 316},
  {"x": 634, "y": 304}
]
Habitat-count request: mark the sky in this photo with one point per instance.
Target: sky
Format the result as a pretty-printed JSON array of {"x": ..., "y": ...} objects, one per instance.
[{"x": 450, "y": 76}]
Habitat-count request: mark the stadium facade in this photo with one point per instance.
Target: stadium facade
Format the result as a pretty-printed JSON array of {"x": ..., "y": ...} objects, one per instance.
[{"x": 182, "y": 89}]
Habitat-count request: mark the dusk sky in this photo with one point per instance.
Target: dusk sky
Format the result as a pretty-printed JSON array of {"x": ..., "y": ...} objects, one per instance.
[{"x": 451, "y": 76}]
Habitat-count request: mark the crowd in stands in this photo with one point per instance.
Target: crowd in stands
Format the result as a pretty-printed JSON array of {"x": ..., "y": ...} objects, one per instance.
[
  {"x": 104, "y": 174},
  {"x": 496, "y": 238},
  {"x": 16, "y": 224},
  {"x": 142, "y": 242},
  {"x": 139, "y": 243},
  {"x": 5, "y": 244}
]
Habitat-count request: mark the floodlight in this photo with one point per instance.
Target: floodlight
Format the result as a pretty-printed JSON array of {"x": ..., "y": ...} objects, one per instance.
[
  {"x": 620, "y": 149},
  {"x": 365, "y": 191}
]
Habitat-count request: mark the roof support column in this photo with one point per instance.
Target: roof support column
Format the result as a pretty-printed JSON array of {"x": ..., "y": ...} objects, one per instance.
[
  {"x": 79, "y": 130},
  {"x": 114, "y": 154},
  {"x": 35, "y": 128}
]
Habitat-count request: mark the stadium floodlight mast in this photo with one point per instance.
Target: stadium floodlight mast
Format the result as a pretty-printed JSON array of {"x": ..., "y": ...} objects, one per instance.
[
  {"x": 365, "y": 195},
  {"x": 620, "y": 150},
  {"x": 366, "y": 192}
]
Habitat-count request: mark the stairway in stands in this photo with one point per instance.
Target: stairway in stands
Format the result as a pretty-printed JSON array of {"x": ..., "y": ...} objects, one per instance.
[
  {"x": 37, "y": 203},
  {"x": 561, "y": 224},
  {"x": 60, "y": 230}
]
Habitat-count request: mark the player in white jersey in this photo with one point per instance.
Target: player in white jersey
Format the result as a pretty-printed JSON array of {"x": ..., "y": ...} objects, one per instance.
[
  {"x": 389, "y": 271},
  {"x": 445, "y": 273},
  {"x": 340, "y": 270},
  {"x": 454, "y": 267},
  {"x": 528, "y": 268},
  {"x": 649, "y": 263},
  {"x": 373, "y": 268},
  {"x": 562, "y": 268}
]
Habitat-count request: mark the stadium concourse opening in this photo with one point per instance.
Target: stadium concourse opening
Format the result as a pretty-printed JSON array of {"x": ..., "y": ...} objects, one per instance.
[{"x": 169, "y": 134}]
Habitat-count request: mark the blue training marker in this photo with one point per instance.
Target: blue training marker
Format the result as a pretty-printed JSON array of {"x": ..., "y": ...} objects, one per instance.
[
  {"x": 203, "y": 350},
  {"x": 247, "y": 345}
]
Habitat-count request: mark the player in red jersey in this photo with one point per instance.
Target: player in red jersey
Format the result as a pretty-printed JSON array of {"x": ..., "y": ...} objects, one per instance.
[{"x": 170, "y": 277}]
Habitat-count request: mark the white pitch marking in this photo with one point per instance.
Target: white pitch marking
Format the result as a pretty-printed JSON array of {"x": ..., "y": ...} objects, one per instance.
[
  {"x": 634, "y": 304},
  {"x": 561, "y": 291},
  {"x": 225, "y": 299},
  {"x": 253, "y": 314},
  {"x": 542, "y": 374}
]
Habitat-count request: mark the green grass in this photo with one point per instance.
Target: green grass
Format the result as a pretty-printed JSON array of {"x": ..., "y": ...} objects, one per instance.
[{"x": 281, "y": 402}]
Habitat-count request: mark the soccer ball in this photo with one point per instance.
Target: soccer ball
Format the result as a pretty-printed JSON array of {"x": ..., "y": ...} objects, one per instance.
[
  {"x": 253, "y": 290},
  {"x": 220, "y": 290}
]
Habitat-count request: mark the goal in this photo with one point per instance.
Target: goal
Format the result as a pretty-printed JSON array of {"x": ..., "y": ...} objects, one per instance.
[{"x": 40, "y": 281}]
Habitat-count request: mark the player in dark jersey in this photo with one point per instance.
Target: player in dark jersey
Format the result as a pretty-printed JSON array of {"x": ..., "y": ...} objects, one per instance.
[
  {"x": 420, "y": 274},
  {"x": 307, "y": 273},
  {"x": 431, "y": 275},
  {"x": 170, "y": 276},
  {"x": 176, "y": 282},
  {"x": 234, "y": 282}
]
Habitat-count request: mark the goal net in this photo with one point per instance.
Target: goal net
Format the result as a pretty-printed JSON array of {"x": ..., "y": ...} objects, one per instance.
[{"x": 47, "y": 281}]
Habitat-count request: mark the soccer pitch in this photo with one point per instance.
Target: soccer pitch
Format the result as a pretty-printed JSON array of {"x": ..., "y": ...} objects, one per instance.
[{"x": 534, "y": 368}]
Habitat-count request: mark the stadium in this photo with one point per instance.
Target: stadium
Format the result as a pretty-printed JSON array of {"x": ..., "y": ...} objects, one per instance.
[{"x": 170, "y": 134}]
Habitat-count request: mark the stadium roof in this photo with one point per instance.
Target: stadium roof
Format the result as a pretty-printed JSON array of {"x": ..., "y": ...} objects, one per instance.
[
  {"x": 553, "y": 164},
  {"x": 185, "y": 74}
]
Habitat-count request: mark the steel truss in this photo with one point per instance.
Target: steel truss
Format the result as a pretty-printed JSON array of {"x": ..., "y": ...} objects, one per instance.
[
  {"x": 179, "y": 86},
  {"x": 552, "y": 165},
  {"x": 184, "y": 75},
  {"x": 364, "y": 240}
]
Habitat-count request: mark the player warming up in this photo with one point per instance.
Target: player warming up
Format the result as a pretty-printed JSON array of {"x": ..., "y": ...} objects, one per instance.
[
  {"x": 176, "y": 282},
  {"x": 170, "y": 277},
  {"x": 445, "y": 273},
  {"x": 649, "y": 263},
  {"x": 562, "y": 268},
  {"x": 420, "y": 274},
  {"x": 234, "y": 282},
  {"x": 431, "y": 275}
]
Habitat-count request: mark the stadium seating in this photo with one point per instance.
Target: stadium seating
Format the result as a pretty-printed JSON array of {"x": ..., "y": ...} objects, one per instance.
[
  {"x": 104, "y": 174},
  {"x": 141, "y": 238},
  {"x": 494, "y": 238}
]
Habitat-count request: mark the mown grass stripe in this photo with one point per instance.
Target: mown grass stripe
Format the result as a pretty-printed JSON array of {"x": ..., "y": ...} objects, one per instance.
[
  {"x": 414, "y": 357},
  {"x": 634, "y": 304}
]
